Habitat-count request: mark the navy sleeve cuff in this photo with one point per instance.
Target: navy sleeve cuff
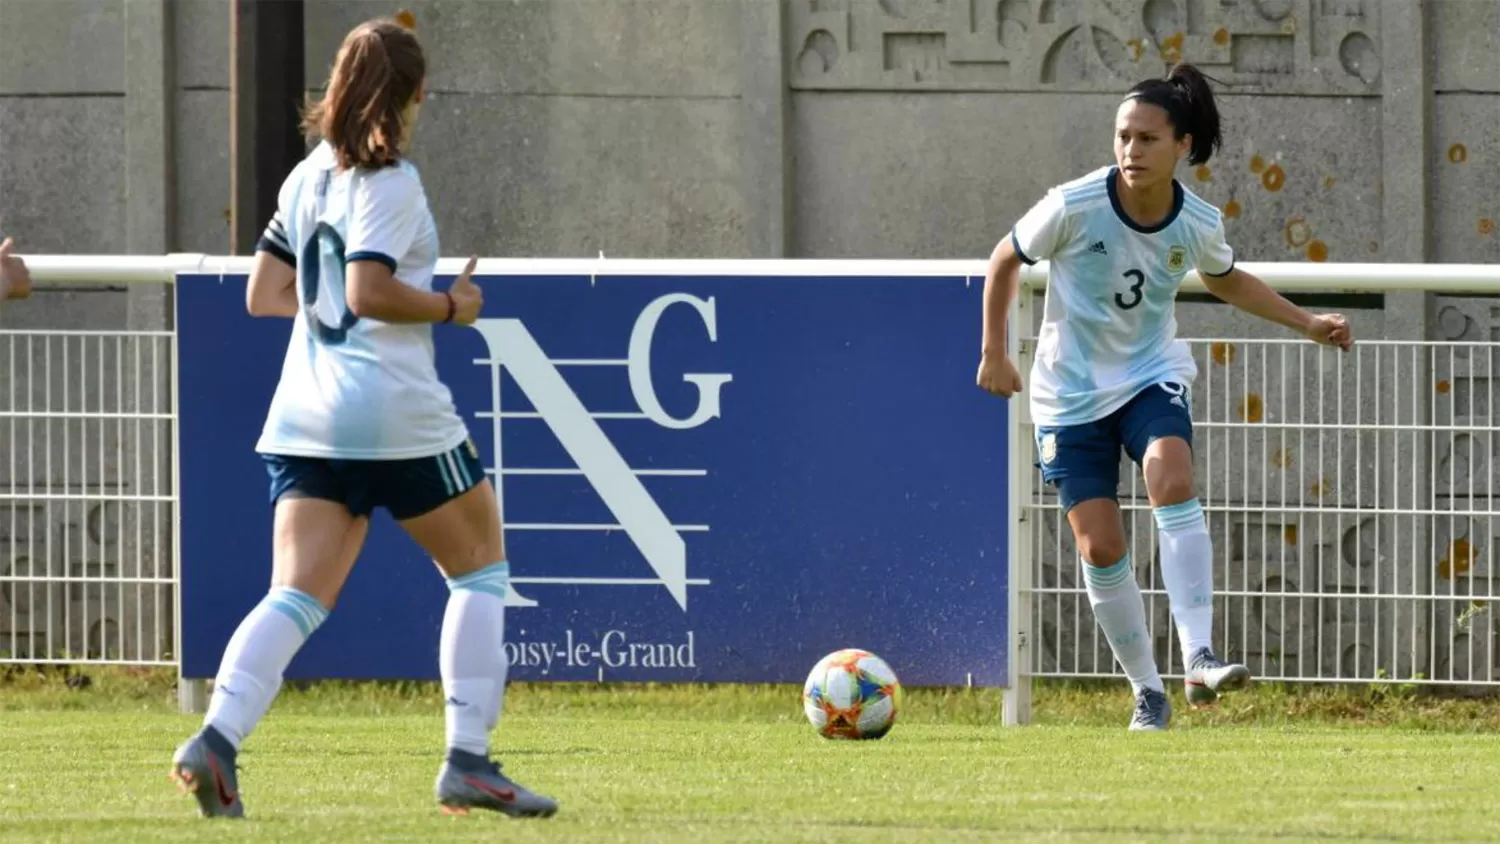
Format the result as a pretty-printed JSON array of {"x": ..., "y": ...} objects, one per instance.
[
  {"x": 265, "y": 244},
  {"x": 377, "y": 257},
  {"x": 1015, "y": 244},
  {"x": 1222, "y": 274}
]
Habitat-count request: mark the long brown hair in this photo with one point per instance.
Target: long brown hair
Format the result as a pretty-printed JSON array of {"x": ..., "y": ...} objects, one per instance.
[{"x": 377, "y": 73}]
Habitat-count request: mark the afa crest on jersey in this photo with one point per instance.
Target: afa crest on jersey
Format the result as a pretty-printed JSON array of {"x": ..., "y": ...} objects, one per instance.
[{"x": 1176, "y": 259}]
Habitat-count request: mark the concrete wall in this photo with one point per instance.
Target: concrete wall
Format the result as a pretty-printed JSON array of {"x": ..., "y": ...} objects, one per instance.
[
  {"x": 1356, "y": 130},
  {"x": 821, "y": 128}
]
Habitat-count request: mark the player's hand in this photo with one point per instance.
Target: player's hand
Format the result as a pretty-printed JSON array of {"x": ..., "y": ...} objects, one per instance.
[
  {"x": 15, "y": 279},
  {"x": 1331, "y": 330},
  {"x": 998, "y": 375},
  {"x": 467, "y": 297}
]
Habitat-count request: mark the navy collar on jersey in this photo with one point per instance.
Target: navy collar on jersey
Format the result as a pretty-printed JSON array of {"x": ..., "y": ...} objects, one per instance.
[{"x": 1114, "y": 200}]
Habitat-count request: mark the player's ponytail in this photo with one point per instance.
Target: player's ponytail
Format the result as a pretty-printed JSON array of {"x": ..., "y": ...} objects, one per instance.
[
  {"x": 1189, "y": 103},
  {"x": 363, "y": 112}
]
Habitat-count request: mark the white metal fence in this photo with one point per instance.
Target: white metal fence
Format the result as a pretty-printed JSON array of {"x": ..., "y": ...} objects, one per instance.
[
  {"x": 87, "y": 497},
  {"x": 1351, "y": 498}
]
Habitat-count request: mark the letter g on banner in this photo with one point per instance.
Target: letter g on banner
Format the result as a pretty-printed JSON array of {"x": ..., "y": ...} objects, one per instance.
[{"x": 639, "y": 364}]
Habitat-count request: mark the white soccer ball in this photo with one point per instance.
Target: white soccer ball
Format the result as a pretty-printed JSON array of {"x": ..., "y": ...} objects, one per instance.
[{"x": 852, "y": 694}]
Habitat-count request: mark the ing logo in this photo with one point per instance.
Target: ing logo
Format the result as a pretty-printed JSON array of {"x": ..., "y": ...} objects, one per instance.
[{"x": 512, "y": 348}]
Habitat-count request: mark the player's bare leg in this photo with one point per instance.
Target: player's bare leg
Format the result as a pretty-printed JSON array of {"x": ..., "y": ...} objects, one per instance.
[
  {"x": 464, "y": 539},
  {"x": 1118, "y": 607},
  {"x": 1187, "y": 569},
  {"x": 316, "y": 544}
]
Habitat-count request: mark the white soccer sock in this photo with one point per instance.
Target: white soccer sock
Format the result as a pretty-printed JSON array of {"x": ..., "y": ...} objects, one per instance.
[
  {"x": 472, "y": 660},
  {"x": 1121, "y": 613},
  {"x": 258, "y": 654},
  {"x": 1187, "y": 570}
]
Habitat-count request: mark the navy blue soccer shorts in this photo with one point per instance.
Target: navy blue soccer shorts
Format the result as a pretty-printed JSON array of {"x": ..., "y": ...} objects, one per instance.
[
  {"x": 405, "y": 488},
  {"x": 1083, "y": 461}
]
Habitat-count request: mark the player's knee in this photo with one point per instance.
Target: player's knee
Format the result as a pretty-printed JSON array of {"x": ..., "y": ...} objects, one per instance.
[
  {"x": 1169, "y": 472},
  {"x": 1171, "y": 488},
  {"x": 1101, "y": 549}
]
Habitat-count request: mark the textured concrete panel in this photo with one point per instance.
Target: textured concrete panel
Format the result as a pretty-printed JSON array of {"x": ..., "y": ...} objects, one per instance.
[
  {"x": 62, "y": 46},
  {"x": 1329, "y": 47},
  {"x": 1465, "y": 45},
  {"x": 200, "y": 39},
  {"x": 529, "y": 176},
  {"x": 201, "y": 137},
  {"x": 946, "y": 175},
  {"x": 592, "y": 47},
  {"x": 1465, "y": 167},
  {"x": 62, "y": 174}
]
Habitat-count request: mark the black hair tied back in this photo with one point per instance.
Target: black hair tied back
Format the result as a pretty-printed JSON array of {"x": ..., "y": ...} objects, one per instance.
[{"x": 1189, "y": 103}]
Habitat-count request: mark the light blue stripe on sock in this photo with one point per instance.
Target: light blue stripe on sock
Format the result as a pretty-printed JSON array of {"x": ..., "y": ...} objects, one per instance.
[
  {"x": 493, "y": 579},
  {"x": 1178, "y": 516},
  {"x": 1110, "y": 576},
  {"x": 303, "y": 609}
]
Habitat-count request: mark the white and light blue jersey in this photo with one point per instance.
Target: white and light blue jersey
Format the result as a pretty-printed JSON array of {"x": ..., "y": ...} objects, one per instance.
[
  {"x": 356, "y": 388},
  {"x": 1108, "y": 326}
]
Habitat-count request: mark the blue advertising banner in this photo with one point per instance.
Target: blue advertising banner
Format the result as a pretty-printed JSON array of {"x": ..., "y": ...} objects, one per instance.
[{"x": 703, "y": 479}]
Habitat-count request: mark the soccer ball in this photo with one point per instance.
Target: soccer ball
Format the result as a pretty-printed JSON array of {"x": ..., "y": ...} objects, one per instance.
[{"x": 852, "y": 694}]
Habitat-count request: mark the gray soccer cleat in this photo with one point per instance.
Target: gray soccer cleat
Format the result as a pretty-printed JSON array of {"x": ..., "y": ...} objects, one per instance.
[
  {"x": 484, "y": 787},
  {"x": 205, "y": 766},
  {"x": 1152, "y": 711},
  {"x": 1208, "y": 676}
]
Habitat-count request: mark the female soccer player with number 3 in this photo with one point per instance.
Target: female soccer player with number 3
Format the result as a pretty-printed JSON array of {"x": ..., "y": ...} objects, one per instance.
[
  {"x": 360, "y": 421},
  {"x": 1109, "y": 372}
]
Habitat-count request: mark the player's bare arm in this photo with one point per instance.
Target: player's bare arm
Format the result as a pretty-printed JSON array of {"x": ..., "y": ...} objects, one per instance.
[
  {"x": 997, "y": 373},
  {"x": 272, "y": 291},
  {"x": 1251, "y": 295},
  {"x": 374, "y": 293}
]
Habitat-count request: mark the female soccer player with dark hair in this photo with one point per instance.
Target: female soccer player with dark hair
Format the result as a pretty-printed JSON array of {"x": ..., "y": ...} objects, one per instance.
[
  {"x": 360, "y": 421},
  {"x": 1109, "y": 372}
]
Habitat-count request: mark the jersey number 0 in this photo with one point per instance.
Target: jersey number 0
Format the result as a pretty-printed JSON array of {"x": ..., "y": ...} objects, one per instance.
[{"x": 325, "y": 251}]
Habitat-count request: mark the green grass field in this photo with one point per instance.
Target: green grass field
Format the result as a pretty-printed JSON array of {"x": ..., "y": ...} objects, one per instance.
[{"x": 356, "y": 762}]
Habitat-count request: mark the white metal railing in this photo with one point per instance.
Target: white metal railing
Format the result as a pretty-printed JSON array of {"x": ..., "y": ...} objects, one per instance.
[
  {"x": 87, "y": 497},
  {"x": 1353, "y": 517}
]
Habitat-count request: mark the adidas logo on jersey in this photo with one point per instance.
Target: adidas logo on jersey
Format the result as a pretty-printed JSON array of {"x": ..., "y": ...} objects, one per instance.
[{"x": 1098, "y": 247}]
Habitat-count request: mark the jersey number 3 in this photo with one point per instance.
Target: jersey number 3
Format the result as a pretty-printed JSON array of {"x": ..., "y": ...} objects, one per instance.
[
  {"x": 324, "y": 253},
  {"x": 1139, "y": 280}
]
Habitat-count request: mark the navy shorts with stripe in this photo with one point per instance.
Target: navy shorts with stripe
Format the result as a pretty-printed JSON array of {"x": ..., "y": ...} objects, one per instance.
[
  {"x": 1083, "y": 461},
  {"x": 405, "y": 488}
]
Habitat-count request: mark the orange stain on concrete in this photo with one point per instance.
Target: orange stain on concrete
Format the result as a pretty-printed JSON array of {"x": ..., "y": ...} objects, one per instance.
[
  {"x": 407, "y": 19},
  {"x": 1232, "y": 210},
  {"x": 1282, "y": 458},
  {"x": 1458, "y": 153},
  {"x": 1443, "y": 387},
  {"x": 1257, "y": 164},
  {"x": 1486, "y": 226},
  {"x": 1222, "y": 353},
  {"x": 1171, "y": 47},
  {"x": 1289, "y": 533},
  {"x": 1273, "y": 178},
  {"x": 1203, "y": 173},
  {"x": 1221, "y": 36},
  {"x": 1252, "y": 409},
  {"x": 1458, "y": 561},
  {"x": 1317, "y": 251}
]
